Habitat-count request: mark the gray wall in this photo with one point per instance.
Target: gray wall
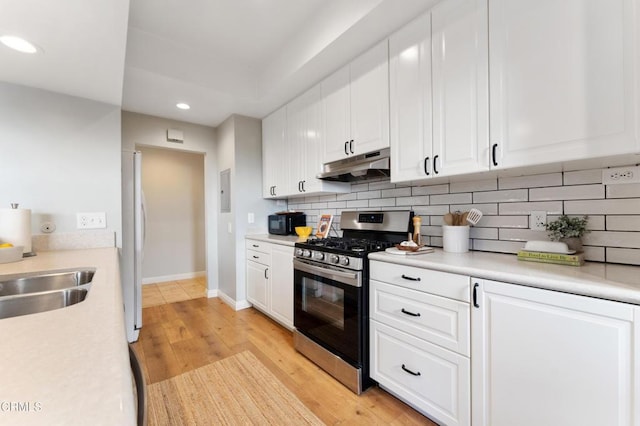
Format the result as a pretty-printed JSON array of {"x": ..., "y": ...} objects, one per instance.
[
  {"x": 240, "y": 150},
  {"x": 59, "y": 155},
  {"x": 173, "y": 185},
  {"x": 140, "y": 130}
]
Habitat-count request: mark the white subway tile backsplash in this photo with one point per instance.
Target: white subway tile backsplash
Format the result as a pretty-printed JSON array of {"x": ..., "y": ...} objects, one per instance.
[
  {"x": 462, "y": 198},
  {"x": 382, "y": 202},
  {"x": 396, "y": 192},
  {"x": 612, "y": 239},
  {"x": 412, "y": 201},
  {"x": 504, "y": 222},
  {"x": 506, "y": 204},
  {"x": 483, "y": 233},
  {"x": 576, "y": 192},
  {"x": 471, "y": 186},
  {"x": 498, "y": 246},
  {"x": 627, "y": 190},
  {"x": 621, "y": 255},
  {"x": 551, "y": 179},
  {"x": 613, "y": 206},
  {"x": 429, "y": 190},
  {"x": 513, "y": 234},
  {"x": 501, "y": 196},
  {"x": 583, "y": 177},
  {"x": 622, "y": 223},
  {"x": 486, "y": 209},
  {"x": 551, "y": 207}
]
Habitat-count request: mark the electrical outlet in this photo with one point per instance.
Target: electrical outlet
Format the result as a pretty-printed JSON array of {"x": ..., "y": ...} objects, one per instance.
[
  {"x": 537, "y": 221},
  {"x": 91, "y": 220},
  {"x": 619, "y": 175}
]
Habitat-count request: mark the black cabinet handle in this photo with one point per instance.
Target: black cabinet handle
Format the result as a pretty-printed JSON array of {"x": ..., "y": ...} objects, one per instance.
[
  {"x": 303, "y": 190},
  {"x": 351, "y": 146},
  {"x": 410, "y": 372},
  {"x": 435, "y": 170},
  {"x": 410, "y": 278},
  {"x": 345, "y": 148},
  {"x": 299, "y": 186},
  {"x": 426, "y": 166},
  {"x": 475, "y": 295},
  {"x": 493, "y": 154},
  {"x": 266, "y": 277},
  {"x": 410, "y": 313},
  {"x": 256, "y": 257},
  {"x": 255, "y": 245}
]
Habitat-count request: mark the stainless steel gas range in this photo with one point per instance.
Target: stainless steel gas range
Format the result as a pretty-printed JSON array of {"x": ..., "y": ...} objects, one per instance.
[{"x": 331, "y": 292}]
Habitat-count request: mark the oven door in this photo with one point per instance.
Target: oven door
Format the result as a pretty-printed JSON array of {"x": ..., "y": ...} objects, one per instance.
[{"x": 328, "y": 308}]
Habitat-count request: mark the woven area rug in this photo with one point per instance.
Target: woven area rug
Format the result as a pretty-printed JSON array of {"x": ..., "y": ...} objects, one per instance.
[{"x": 238, "y": 390}]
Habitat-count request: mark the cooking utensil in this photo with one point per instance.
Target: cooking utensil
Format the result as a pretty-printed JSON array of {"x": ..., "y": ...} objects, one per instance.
[
  {"x": 474, "y": 217},
  {"x": 463, "y": 219},
  {"x": 448, "y": 219}
]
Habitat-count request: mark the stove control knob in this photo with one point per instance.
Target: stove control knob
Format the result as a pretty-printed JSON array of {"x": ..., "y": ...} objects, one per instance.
[
  {"x": 334, "y": 258},
  {"x": 299, "y": 252},
  {"x": 306, "y": 253},
  {"x": 344, "y": 260},
  {"x": 318, "y": 255}
]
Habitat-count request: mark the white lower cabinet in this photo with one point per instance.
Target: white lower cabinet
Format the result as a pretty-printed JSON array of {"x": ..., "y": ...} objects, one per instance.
[
  {"x": 420, "y": 339},
  {"x": 270, "y": 280},
  {"x": 542, "y": 357}
]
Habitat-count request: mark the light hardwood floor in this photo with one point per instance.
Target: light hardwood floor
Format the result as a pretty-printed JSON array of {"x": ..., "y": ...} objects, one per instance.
[
  {"x": 182, "y": 336},
  {"x": 173, "y": 291}
]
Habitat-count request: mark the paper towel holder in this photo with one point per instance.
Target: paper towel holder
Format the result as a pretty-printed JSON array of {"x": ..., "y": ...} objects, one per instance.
[{"x": 14, "y": 206}]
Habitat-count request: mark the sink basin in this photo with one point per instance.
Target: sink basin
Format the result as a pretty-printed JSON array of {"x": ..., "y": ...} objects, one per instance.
[
  {"x": 36, "y": 282},
  {"x": 25, "y": 304}
]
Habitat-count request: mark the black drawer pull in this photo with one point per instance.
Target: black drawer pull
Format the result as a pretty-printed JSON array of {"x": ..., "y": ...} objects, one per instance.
[
  {"x": 475, "y": 295},
  {"x": 410, "y": 278},
  {"x": 410, "y": 313},
  {"x": 410, "y": 372},
  {"x": 255, "y": 245},
  {"x": 256, "y": 257}
]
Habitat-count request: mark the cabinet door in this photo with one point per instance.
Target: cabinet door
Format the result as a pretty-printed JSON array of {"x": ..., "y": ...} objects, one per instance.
[
  {"x": 370, "y": 100},
  {"x": 410, "y": 100},
  {"x": 434, "y": 380},
  {"x": 282, "y": 284},
  {"x": 257, "y": 285},
  {"x": 562, "y": 80},
  {"x": 542, "y": 357},
  {"x": 460, "y": 87},
  {"x": 335, "y": 115},
  {"x": 273, "y": 150},
  {"x": 310, "y": 158},
  {"x": 296, "y": 142}
]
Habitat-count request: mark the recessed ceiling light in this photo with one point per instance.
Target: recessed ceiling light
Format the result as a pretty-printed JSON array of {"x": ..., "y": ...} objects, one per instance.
[
  {"x": 182, "y": 105},
  {"x": 17, "y": 43}
]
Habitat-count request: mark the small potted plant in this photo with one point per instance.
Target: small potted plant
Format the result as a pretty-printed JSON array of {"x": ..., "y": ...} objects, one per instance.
[{"x": 568, "y": 230}]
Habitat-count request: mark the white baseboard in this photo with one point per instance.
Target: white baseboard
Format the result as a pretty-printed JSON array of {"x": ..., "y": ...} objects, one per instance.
[
  {"x": 165, "y": 278},
  {"x": 212, "y": 293},
  {"x": 236, "y": 306}
]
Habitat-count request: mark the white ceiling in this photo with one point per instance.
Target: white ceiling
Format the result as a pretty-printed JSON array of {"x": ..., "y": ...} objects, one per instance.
[{"x": 220, "y": 56}]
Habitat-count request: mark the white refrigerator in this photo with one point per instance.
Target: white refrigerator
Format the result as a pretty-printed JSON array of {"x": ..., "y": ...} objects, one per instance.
[{"x": 133, "y": 218}]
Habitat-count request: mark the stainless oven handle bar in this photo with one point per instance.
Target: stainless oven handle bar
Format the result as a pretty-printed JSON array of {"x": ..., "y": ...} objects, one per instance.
[{"x": 349, "y": 278}]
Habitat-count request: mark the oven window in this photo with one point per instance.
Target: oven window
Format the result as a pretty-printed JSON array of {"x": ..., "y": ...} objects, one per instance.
[{"x": 324, "y": 302}]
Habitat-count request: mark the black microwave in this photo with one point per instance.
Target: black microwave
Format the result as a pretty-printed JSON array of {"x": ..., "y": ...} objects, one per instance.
[{"x": 285, "y": 223}]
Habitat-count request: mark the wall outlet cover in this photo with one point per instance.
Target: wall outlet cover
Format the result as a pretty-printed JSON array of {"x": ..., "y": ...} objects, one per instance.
[
  {"x": 620, "y": 175},
  {"x": 95, "y": 220}
]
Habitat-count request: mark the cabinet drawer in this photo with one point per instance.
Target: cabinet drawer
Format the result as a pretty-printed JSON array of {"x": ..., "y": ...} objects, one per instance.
[
  {"x": 258, "y": 246},
  {"x": 259, "y": 257},
  {"x": 436, "y": 319},
  {"x": 439, "y": 283},
  {"x": 433, "y": 380}
]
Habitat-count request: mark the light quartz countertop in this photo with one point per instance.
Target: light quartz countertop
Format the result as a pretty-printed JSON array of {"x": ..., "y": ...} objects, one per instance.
[
  {"x": 287, "y": 240},
  {"x": 68, "y": 366},
  {"x": 601, "y": 280}
]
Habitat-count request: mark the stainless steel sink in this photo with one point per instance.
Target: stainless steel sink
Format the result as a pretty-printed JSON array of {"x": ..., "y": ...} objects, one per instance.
[
  {"x": 24, "y": 304},
  {"x": 36, "y": 282}
]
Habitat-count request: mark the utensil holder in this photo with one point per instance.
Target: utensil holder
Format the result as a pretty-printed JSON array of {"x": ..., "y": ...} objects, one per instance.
[{"x": 455, "y": 239}]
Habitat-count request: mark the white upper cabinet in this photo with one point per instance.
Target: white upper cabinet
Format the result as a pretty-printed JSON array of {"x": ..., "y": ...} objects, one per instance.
[
  {"x": 563, "y": 80},
  {"x": 439, "y": 93},
  {"x": 460, "y": 87},
  {"x": 355, "y": 106},
  {"x": 410, "y": 100},
  {"x": 304, "y": 159},
  {"x": 274, "y": 174}
]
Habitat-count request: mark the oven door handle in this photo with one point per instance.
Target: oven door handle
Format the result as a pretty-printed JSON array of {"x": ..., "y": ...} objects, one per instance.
[{"x": 349, "y": 278}]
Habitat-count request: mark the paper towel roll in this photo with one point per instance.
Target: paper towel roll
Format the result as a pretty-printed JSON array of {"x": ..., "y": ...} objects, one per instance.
[{"x": 15, "y": 227}]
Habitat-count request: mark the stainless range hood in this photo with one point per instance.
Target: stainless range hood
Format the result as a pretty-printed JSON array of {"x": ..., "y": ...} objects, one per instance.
[{"x": 371, "y": 165}]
